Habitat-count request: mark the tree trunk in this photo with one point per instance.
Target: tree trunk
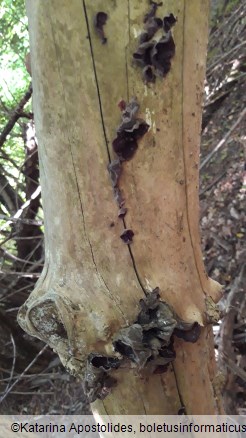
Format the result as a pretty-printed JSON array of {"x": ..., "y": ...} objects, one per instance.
[{"x": 92, "y": 281}]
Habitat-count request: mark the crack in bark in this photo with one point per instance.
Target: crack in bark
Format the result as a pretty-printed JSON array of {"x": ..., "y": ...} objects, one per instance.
[
  {"x": 217, "y": 394},
  {"x": 127, "y": 78},
  {"x": 129, "y": 41},
  {"x": 92, "y": 253},
  {"x": 96, "y": 268},
  {"x": 101, "y": 113},
  {"x": 186, "y": 193},
  {"x": 128, "y": 93},
  {"x": 185, "y": 176},
  {"x": 75, "y": 173},
  {"x": 184, "y": 160},
  {"x": 139, "y": 394},
  {"x": 177, "y": 386},
  {"x": 134, "y": 263},
  {"x": 96, "y": 80}
]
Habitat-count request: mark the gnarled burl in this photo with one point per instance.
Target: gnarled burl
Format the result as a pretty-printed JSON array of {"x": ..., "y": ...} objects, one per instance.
[{"x": 92, "y": 282}]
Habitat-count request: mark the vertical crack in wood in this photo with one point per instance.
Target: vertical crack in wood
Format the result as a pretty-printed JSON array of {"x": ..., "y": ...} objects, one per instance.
[
  {"x": 177, "y": 386},
  {"x": 94, "y": 262},
  {"x": 128, "y": 94},
  {"x": 185, "y": 176},
  {"x": 134, "y": 263},
  {"x": 96, "y": 80},
  {"x": 126, "y": 50},
  {"x": 184, "y": 159},
  {"x": 77, "y": 184},
  {"x": 102, "y": 119}
]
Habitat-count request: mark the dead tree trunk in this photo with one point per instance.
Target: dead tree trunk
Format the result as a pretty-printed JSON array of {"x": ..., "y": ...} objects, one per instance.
[{"x": 92, "y": 282}]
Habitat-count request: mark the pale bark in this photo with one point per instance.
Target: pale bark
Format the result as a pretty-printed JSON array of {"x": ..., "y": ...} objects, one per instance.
[{"x": 91, "y": 282}]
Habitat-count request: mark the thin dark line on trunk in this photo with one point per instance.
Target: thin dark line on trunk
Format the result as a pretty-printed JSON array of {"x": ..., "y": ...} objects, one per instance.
[
  {"x": 96, "y": 80},
  {"x": 182, "y": 405},
  {"x": 126, "y": 51},
  {"x": 128, "y": 98},
  {"x": 185, "y": 163},
  {"x": 134, "y": 264},
  {"x": 101, "y": 279},
  {"x": 104, "y": 129}
]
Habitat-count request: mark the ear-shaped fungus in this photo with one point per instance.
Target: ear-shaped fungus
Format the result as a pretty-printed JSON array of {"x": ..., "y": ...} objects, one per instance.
[
  {"x": 149, "y": 341},
  {"x": 153, "y": 24},
  {"x": 168, "y": 22},
  {"x": 162, "y": 53},
  {"x": 125, "y": 146},
  {"x": 155, "y": 56},
  {"x": 143, "y": 54},
  {"x": 129, "y": 131}
]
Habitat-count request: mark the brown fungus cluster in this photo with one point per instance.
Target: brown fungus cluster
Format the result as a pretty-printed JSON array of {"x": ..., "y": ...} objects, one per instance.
[
  {"x": 130, "y": 130},
  {"x": 125, "y": 144},
  {"x": 154, "y": 56},
  {"x": 148, "y": 343}
]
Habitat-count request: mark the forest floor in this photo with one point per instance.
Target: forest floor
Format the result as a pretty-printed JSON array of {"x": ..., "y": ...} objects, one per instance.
[
  {"x": 222, "y": 195},
  {"x": 223, "y": 228},
  {"x": 222, "y": 205}
]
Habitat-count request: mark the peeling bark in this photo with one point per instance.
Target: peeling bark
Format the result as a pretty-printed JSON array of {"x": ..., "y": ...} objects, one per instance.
[{"x": 92, "y": 283}]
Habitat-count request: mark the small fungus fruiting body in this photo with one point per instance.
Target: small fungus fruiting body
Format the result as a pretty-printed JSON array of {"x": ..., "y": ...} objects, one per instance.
[
  {"x": 99, "y": 22},
  {"x": 122, "y": 212},
  {"x": 127, "y": 236},
  {"x": 115, "y": 169}
]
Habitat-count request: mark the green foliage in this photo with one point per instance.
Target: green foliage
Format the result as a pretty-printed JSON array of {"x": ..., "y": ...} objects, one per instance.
[
  {"x": 14, "y": 36},
  {"x": 14, "y": 80},
  {"x": 220, "y": 9}
]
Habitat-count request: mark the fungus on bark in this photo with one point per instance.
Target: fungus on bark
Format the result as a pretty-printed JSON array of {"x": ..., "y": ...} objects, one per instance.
[
  {"x": 149, "y": 340},
  {"x": 129, "y": 131},
  {"x": 155, "y": 55},
  {"x": 148, "y": 343},
  {"x": 99, "y": 22},
  {"x": 127, "y": 236},
  {"x": 97, "y": 381}
]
